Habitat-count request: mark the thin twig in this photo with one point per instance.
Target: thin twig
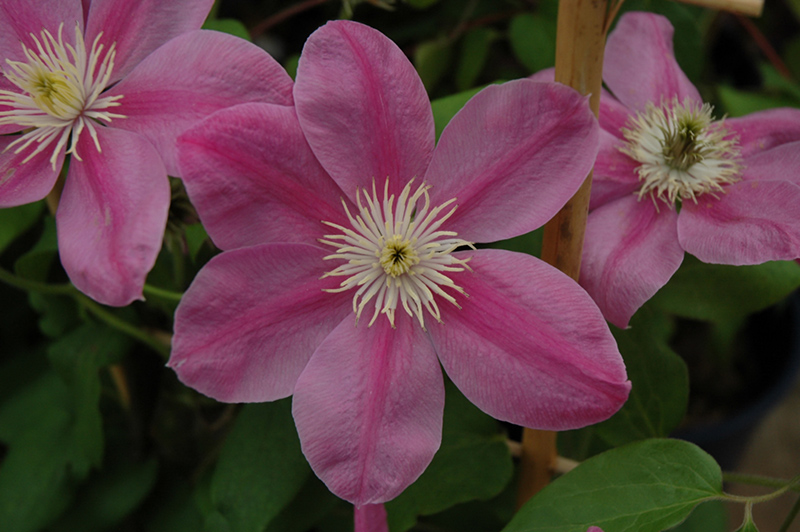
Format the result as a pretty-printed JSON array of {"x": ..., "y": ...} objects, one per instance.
[
  {"x": 765, "y": 46},
  {"x": 790, "y": 517},
  {"x": 277, "y": 18}
]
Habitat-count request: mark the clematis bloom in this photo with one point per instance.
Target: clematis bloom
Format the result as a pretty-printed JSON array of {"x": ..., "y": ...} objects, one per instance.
[
  {"x": 670, "y": 178},
  {"x": 350, "y": 272},
  {"x": 112, "y": 83}
]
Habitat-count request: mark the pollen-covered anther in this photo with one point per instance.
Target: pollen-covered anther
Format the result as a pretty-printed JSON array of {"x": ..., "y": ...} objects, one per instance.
[
  {"x": 683, "y": 151},
  {"x": 395, "y": 254},
  {"x": 61, "y": 88}
]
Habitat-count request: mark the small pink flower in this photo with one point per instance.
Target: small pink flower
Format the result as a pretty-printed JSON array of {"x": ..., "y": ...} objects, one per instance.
[
  {"x": 350, "y": 273},
  {"x": 113, "y": 83},
  {"x": 670, "y": 178}
]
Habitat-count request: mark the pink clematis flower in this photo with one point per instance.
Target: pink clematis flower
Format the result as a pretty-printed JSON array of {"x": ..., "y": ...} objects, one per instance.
[
  {"x": 350, "y": 273},
  {"x": 113, "y": 83},
  {"x": 670, "y": 179}
]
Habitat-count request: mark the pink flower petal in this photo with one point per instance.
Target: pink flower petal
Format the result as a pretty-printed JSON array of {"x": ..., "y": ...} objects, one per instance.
[
  {"x": 630, "y": 251},
  {"x": 22, "y": 183},
  {"x": 615, "y": 173},
  {"x": 251, "y": 320},
  {"x": 363, "y": 107},
  {"x": 140, "y": 27},
  {"x": 529, "y": 346},
  {"x": 189, "y": 78},
  {"x": 781, "y": 163},
  {"x": 253, "y": 179},
  {"x": 370, "y": 518},
  {"x": 753, "y": 222},
  {"x": 513, "y": 156},
  {"x": 639, "y": 64},
  {"x": 112, "y": 215},
  {"x": 613, "y": 115},
  {"x": 766, "y": 129},
  {"x": 368, "y": 408},
  {"x": 18, "y": 20}
]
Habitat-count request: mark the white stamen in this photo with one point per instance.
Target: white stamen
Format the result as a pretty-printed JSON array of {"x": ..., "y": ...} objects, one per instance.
[
  {"x": 683, "y": 152},
  {"x": 61, "y": 86},
  {"x": 396, "y": 254}
]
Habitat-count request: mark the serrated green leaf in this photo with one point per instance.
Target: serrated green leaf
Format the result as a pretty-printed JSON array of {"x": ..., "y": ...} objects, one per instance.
[
  {"x": 646, "y": 486},
  {"x": 473, "y": 463},
  {"x": 78, "y": 358},
  {"x": 260, "y": 468},
  {"x": 718, "y": 292},
  {"x": 16, "y": 220},
  {"x": 227, "y": 25},
  {"x": 432, "y": 60},
  {"x": 533, "y": 40},
  {"x": 474, "y": 52}
]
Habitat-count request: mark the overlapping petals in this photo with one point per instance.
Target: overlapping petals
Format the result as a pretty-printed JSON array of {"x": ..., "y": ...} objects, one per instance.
[
  {"x": 521, "y": 340},
  {"x": 165, "y": 78},
  {"x": 635, "y": 242}
]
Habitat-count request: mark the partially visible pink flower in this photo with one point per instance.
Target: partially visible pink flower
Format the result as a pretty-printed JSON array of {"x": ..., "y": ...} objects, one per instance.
[
  {"x": 670, "y": 178},
  {"x": 350, "y": 272},
  {"x": 113, "y": 83}
]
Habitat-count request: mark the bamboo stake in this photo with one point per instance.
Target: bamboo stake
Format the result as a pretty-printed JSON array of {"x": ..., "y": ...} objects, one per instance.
[
  {"x": 580, "y": 42},
  {"x": 751, "y": 8}
]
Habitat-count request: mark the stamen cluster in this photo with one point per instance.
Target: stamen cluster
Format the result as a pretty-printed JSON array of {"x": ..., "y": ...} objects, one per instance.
[
  {"x": 683, "y": 152},
  {"x": 61, "y": 86},
  {"x": 396, "y": 254}
]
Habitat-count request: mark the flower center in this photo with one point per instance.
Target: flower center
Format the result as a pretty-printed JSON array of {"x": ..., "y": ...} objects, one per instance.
[
  {"x": 683, "y": 151},
  {"x": 60, "y": 88},
  {"x": 396, "y": 254}
]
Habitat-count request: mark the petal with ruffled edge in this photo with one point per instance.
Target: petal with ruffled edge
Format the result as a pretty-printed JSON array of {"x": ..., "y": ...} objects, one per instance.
[
  {"x": 528, "y": 345},
  {"x": 140, "y": 27},
  {"x": 370, "y": 518},
  {"x": 189, "y": 78},
  {"x": 368, "y": 408},
  {"x": 754, "y": 221},
  {"x": 512, "y": 156},
  {"x": 253, "y": 179},
  {"x": 765, "y": 130},
  {"x": 22, "y": 183},
  {"x": 112, "y": 215},
  {"x": 630, "y": 251},
  {"x": 251, "y": 319},
  {"x": 639, "y": 64},
  {"x": 18, "y": 20},
  {"x": 363, "y": 107}
]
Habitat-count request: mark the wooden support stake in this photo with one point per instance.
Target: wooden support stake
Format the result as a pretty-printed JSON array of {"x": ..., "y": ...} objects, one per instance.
[
  {"x": 751, "y": 8},
  {"x": 580, "y": 42}
]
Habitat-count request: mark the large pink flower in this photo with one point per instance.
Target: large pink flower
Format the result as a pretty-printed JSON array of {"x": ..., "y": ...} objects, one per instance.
[
  {"x": 669, "y": 178},
  {"x": 113, "y": 82},
  {"x": 350, "y": 274}
]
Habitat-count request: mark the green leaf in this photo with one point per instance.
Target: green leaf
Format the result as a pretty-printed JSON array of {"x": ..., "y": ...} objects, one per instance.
[
  {"x": 718, "y": 292},
  {"x": 645, "y": 486},
  {"x": 741, "y": 103},
  {"x": 227, "y": 25},
  {"x": 444, "y": 109},
  {"x": 313, "y": 502},
  {"x": 78, "y": 358},
  {"x": 260, "y": 469},
  {"x": 533, "y": 40},
  {"x": 16, "y": 220},
  {"x": 748, "y": 525},
  {"x": 473, "y": 463},
  {"x": 196, "y": 236},
  {"x": 474, "y": 52},
  {"x": 711, "y": 516},
  {"x": 35, "y": 264},
  {"x": 58, "y": 314},
  {"x": 660, "y": 383},
  {"x": 432, "y": 60},
  {"x": 172, "y": 508},
  {"x": 421, "y": 4},
  {"x": 109, "y": 497}
]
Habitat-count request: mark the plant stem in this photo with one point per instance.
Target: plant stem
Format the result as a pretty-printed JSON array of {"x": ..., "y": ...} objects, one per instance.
[
  {"x": 161, "y": 293},
  {"x": 279, "y": 17},
  {"x": 35, "y": 286},
  {"x": 794, "y": 483},
  {"x": 580, "y": 44},
  {"x": 758, "y": 480},
  {"x": 790, "y": 517}
]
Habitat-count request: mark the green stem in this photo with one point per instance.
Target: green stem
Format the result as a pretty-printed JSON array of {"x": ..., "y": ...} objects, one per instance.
[
  {"x": 121, "y": 325},
  {"x": 763, "y": 498},
  {"x": 35, "y": 286},
  {"x": 789, "y": 518},
  {"x": 161, "y": 293}
]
